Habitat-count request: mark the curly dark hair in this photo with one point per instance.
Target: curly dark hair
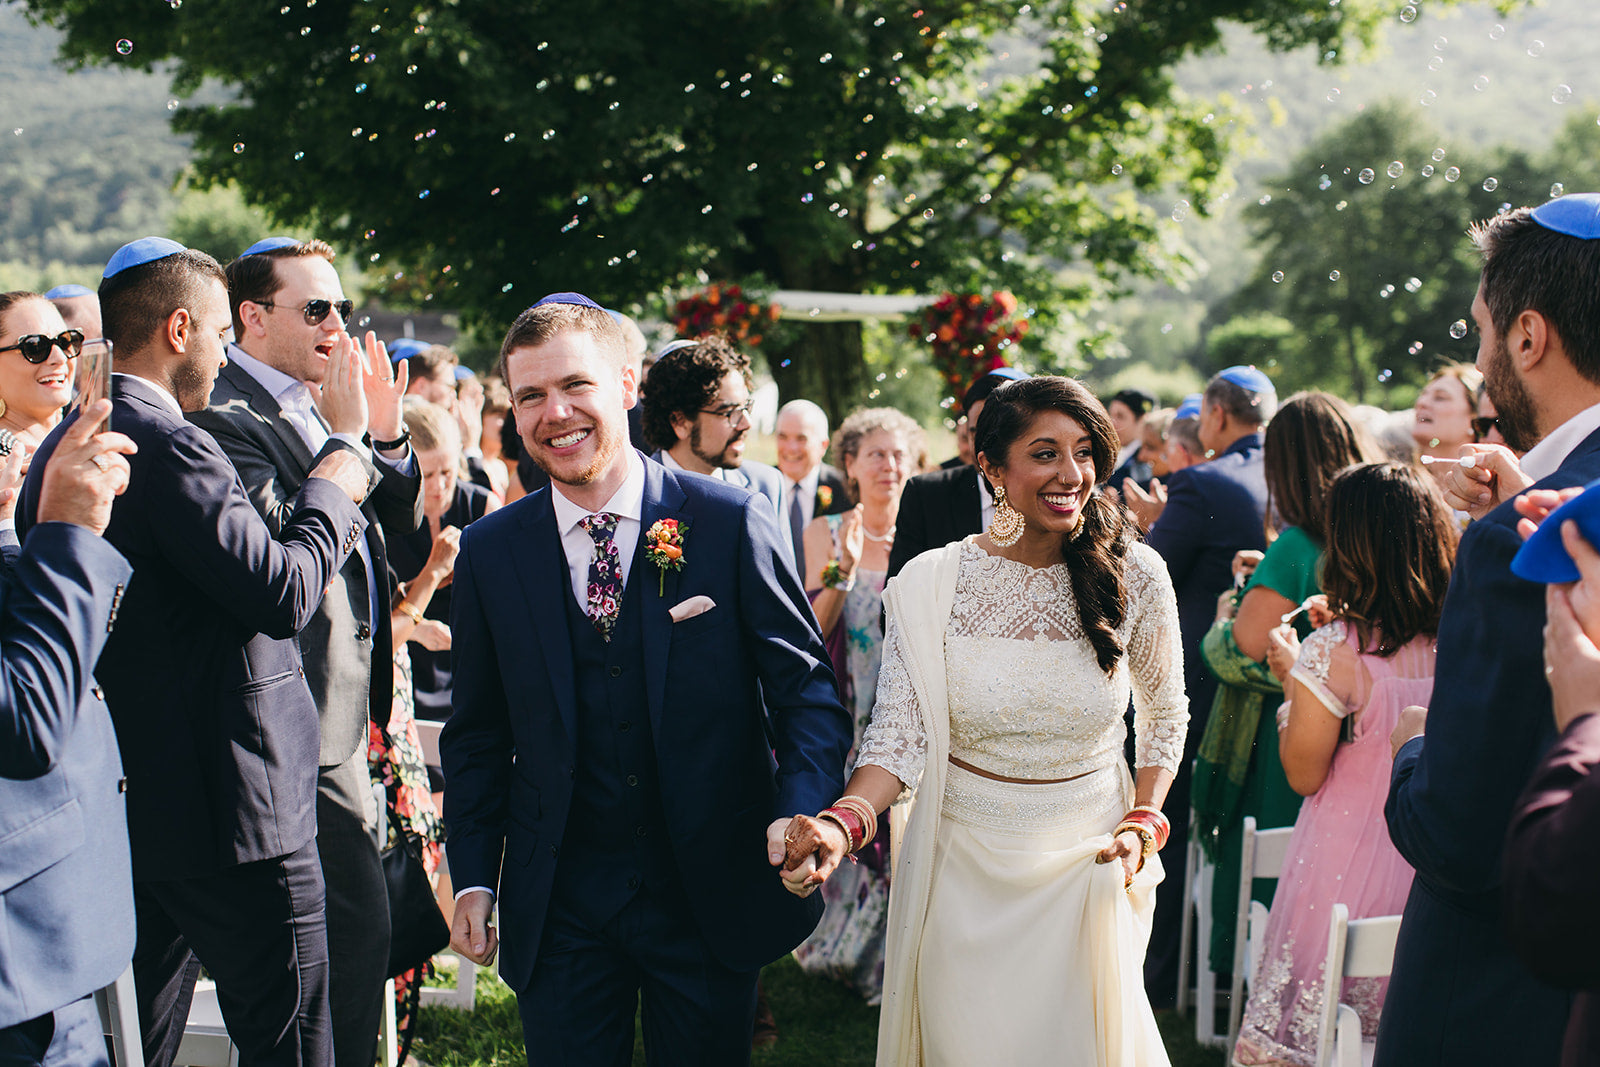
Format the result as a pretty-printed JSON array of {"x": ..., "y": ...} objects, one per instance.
[
  {"x": 1096, "y": 552},
  {"x": 684, "y": 381}
]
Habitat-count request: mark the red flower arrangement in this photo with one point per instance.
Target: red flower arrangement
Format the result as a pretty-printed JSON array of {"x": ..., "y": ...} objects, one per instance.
[
  {"x": 724, "y": 310},
  {"x": 970, "y": 334}
]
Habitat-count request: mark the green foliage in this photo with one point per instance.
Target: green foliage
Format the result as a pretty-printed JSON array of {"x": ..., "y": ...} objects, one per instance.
[
  {"x": 217, "y": 220},
  {"x": 493, "y": 151}
]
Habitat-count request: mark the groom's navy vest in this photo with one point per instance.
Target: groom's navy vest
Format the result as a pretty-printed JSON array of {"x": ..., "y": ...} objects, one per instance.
[{"x": 616, "y": 838}]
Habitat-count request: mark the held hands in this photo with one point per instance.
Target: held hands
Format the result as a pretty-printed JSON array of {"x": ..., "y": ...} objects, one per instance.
[
  {"x": 806, "y": 851},
  {"x": 1494, "y": 477},
  {"x": 86, "y": 471},
  {"x": 472, "y": 934},
  {"x": 1409, "y": 725}
]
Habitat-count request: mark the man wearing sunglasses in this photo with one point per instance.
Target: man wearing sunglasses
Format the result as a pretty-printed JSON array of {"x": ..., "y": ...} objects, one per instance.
[
  {"x": 697, "y": 415},
  {"x": 275, "y": 422}
]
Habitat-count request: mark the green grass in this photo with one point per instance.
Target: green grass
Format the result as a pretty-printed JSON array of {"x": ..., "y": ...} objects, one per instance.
[{"x": 820, "y": 1024}]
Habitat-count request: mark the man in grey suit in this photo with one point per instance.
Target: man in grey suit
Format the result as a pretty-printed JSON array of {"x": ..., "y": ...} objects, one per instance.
[
  {"x": 697, "y": 416},
  {"x": 289, "y": 315}
]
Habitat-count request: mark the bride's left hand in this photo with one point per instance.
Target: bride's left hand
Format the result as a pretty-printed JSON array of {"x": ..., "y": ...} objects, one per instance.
[{"x": 1124, "y": 847}]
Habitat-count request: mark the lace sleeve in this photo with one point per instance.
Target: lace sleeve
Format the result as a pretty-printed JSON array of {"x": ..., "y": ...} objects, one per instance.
[
  {"x": 894, "y": 739},
  {"x": 1314, "y": 668},
  {"x": 1155, "y": 663}
]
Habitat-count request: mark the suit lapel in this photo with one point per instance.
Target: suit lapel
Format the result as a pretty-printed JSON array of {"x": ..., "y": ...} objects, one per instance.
[
  {"x": 972, "y": 502},
  {"x": 265, "y": 404},
  {"x": 541, "y": 566},
  {"x": 663, "y": 499}
]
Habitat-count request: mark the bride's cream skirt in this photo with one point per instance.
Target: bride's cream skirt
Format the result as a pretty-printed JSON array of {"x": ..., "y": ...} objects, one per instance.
[{"x": 1032, "y": 953}]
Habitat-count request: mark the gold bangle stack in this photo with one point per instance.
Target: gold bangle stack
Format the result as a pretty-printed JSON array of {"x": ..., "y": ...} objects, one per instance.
[
  {"x": 863, "y": 810},
  {"x": 409, "y": 610},
  {"x": 1147, "y": 839}
]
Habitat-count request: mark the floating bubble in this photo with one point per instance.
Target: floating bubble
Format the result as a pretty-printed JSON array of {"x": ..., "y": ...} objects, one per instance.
[
  {"x": 1439, "y": 43},
  {"x": 1333, "y": 96},
  {"x": 1413, "y": 284},
  {"x": 298, "y": 156},
  {"x": 238, "y": 148},
  {"x": 1427, "y": 170},
  {"x": 17, "y": 132},
  {"x": 1557, "y": 190},
  {"x": 1277, "y": 276},
  {"x": 124, "y": 46},
  {"x": 1427, "y": 98},
  {"x": 1536, "y": 48},
  {"x": 172, "y": 105},
  {"x": 1452, "y": 173},
  {"x": 1366, "y": 176},
  {"x": 1386, "y": 292},
  {"x": 1458, "y": 329},
  {"x": 1496, "y": 32},
  {"x": 1408, "y": 14},
  {"x": 1324, "y": 182},
  {"x": 1395, "y": 169},
  {"x": 357, "y": 132},
  {"x": 1561, "y": 95},
  {"x": 1416, "y": 346},
  {"x": 548, "y": 134},
  {"x": 174, "y": 4},
  {"x": 361, "y": 88},
  {"x": 1481, "y": 82},
  {"x": 370, "y": 234},
  {"x": 508, "y": 138},
  {"x": 806, "y": 198},
  {"x": 572, "y": 224},
  {"x": 1436, "y": 63},
  {"x": 1265, "y": 200},
  {"x": 411, "y": 68},
  {"x": 305, "y": 31},
  {"x": 1116, "y": 168},
  {"x": 506, "y": 288},
  {"x": 706, "y": 210},
  {"x": 1333, "y": 275},
  {"x": 1180, "y": 211},
  {"x": 1385, "y": 374},
  {"x": 1490, "y": 184},
  {"x": 424, "y": 194}
]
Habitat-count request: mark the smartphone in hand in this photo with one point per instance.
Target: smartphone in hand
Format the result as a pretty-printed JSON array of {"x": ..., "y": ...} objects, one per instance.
[{"x": 94, "y": 375}]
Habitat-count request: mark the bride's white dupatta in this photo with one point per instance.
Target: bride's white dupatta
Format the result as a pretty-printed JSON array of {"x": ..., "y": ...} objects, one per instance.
[{"x": 918, "y": 601}]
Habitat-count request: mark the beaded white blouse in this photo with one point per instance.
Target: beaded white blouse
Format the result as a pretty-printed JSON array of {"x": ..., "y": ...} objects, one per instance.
[{"x": 1027, "y": 697}]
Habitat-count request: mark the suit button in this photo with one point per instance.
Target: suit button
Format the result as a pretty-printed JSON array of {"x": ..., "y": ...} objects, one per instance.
[
  {"x": 633, "y": 881},
  {"x": 555, "y": 851},
  {"x": 633, "y": 779},
  {"x": 99, "y": 694},
  {"x": 122, "y": 785},
  {"x": 363, "y": 632},
  {"x": 616, "y": 672},
  {"x": 640, "y": 831},
  {"x": 624, "y": 725}
]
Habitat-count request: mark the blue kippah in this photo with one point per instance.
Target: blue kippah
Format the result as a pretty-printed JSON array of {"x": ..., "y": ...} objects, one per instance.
[
  {"x": 1009, "y": 373},
  {"x": 463, "y": 373},
  {"x": 1247, "y": 378},
  {"x": 269, "y": 244},
  {"x": 1542, "y": 557},
  {"x": 404, "y": 348},
  {"x": 1576, "y": 215},
  {"x": 673, "y": 346},
  {"x": 67, "y": 292},
  {"x": 1189, "y": 409},
  {"x": 577, "y": 299},
  {"x": 138, "y": 253}
]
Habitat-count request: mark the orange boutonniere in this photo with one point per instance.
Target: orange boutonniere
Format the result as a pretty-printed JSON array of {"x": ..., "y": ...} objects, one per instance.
[
  {"x": 825, "y": 495},
  {"x": 664, "y": 541}
]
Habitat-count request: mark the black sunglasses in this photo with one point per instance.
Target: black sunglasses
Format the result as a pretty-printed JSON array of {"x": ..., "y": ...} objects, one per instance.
[
  {"x": 35, "y": 347},
  {"x": 317, "y": 310},
  {"x": 1482, "y": 425}
]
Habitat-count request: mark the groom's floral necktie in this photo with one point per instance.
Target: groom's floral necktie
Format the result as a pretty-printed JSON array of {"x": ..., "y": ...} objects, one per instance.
[{"x": 605, "y": 574}]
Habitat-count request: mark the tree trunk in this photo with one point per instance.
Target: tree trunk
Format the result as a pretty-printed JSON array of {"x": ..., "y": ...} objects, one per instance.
[{"x": 824, "y": 365}]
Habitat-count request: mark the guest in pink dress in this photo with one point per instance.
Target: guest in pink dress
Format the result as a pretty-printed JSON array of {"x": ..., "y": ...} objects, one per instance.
[{"x": 1391, "y": 544}]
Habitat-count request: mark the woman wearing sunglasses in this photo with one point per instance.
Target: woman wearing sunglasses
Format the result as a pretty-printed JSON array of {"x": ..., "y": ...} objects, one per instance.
[{"x": 37, "y": 353}]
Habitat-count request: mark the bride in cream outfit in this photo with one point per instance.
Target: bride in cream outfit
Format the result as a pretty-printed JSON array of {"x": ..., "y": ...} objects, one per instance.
[{"x": 1025, "y": 872}]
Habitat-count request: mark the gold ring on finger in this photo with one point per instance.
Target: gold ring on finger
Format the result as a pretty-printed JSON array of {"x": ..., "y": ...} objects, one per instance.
[{"x": 100, "y": 461}]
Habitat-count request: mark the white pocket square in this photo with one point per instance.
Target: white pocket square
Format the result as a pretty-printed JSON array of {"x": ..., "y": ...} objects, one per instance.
[{"x": 695, "y": 605}]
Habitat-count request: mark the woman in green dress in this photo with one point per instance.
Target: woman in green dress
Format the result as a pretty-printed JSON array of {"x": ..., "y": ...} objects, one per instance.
[{"x": 1237, "y": 773}]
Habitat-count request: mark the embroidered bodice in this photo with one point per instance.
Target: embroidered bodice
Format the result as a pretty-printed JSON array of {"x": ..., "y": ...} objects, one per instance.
[{"x": 1027, "y": 697}]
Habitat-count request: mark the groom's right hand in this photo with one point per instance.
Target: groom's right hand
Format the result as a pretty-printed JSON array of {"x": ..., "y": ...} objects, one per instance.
[{"x": 472, "y": 934}]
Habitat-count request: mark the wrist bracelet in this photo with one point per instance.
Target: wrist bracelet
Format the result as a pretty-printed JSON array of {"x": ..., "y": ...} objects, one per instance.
[
  {"x": 837, "y": 819},
  {"x": 408, "y": 609},
  {"x": 833, "y": 577},
  {"x": 1147, "y": 839}
]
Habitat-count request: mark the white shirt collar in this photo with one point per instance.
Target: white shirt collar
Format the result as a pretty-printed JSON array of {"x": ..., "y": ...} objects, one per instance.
[
  {"x": 808, "y": 484},
  {"x": 626, "y": 503},
  {"x": 672, "y": 464},
  {"x": 271, "y": 378},
  {"x": 1544, "y": 458},
  {"x": 161, "y": 391}
]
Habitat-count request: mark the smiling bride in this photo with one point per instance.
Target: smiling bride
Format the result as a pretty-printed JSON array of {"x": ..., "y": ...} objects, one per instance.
[{"x": 1025, "y": 874}]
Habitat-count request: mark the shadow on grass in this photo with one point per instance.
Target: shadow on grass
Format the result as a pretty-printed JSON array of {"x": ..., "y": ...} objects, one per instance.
[{"x": 820, "y": 1024}]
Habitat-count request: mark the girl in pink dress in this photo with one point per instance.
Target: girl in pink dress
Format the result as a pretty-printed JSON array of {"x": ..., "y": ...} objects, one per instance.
[{"x": 1391, "y": 544}]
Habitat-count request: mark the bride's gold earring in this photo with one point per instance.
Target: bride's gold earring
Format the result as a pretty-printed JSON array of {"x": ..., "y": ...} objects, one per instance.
[
  {"x": 1006, "y": 528},
  {"x": 2, "y": 407}
]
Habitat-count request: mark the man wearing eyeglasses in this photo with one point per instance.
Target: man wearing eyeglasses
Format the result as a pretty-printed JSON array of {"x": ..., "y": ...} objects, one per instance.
[
  {"x": 271, "y": 417},
  {"x": 697, "y": 415}
]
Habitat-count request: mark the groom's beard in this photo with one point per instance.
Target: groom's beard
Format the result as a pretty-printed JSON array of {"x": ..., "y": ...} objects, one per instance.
[
  {"x": 1513, "y": 405},
  {"x": 575, "y": 470}
]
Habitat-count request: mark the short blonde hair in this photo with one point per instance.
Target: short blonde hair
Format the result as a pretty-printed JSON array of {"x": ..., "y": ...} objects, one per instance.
[{"x": 431, "y": 426}]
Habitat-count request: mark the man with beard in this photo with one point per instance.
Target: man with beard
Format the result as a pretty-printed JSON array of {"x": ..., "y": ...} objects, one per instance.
[
  {"x": 1458, "y": 994},
  {"x": 289, "y": 315},
  {"x": 697, "y": 415},
  {"x": 216, "y": 725}
]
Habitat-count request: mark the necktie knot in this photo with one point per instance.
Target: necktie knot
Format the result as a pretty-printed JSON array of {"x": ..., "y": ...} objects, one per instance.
[
  {"x": 605, "y": 573},
  {"x": 601, "y": 526}
]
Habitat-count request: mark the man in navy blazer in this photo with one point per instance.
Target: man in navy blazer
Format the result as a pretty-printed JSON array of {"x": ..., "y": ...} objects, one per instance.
[
  {"x": 613, "y": 778},
  {"x": 66, "y": 896},
  {"x": 217, "y": 728},
  {"x": 1459, "y": 994},
  {"x": 1213, "y": 510}
]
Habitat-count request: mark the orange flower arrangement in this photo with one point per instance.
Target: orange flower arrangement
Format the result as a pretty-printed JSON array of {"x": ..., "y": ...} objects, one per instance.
[
  {"x": 664, "y": 548},
  {"x": 725, "y": 310},
  {"x": 970, "y": 334}
]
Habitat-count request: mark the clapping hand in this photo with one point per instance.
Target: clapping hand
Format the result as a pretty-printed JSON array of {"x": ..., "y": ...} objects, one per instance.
[
  {"x": 441, "y": 562},
  {"x": 1146, "y": 507},
  {"x": 343, "y": 399},
  {"x": 852, "y": 540},
  {"x": 384, "y": 386}
]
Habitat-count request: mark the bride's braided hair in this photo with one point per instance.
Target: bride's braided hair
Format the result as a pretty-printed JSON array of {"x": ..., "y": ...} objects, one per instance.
[{"x": 1096, "y": 551}]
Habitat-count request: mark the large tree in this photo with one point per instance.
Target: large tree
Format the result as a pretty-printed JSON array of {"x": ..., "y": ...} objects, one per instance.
[{"x": 494, "y": 150}]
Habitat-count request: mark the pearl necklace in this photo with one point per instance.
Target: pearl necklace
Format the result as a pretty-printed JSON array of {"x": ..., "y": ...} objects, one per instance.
[{"x": 870, "y": 536}]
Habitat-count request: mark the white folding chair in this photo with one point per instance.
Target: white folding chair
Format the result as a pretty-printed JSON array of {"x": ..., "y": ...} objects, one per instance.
[
  {"x": 1261, "y": 856},
  {"x": 1198, "y": 875},
  {"x": 205, "y": 1036},
  {"x": 119, "y": 1020},
  {"x": 1357, "y": 948},
  {"x": 428, "y": 733}
]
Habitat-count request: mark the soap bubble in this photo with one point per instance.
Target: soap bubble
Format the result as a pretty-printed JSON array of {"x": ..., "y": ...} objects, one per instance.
[
  {"x": 1536, "y": 48},
  {"x": 1562, "y": 94},
  {"x": 1439, "y": 43},
  {"x": 1385, "y": 374},
  {"x": 1427, "y": 98},
  {"x": 1408, "y": 14},
  {"x": 1438, "y": 155},
  {"x": 1366, "y": 176},
  {"x": 1436, "y": 63},
  {"x": 1324, "y": 182},
  {"x": 1180, "y": 211},
  {"x": 1333, "y": 275},
  {"x": 1277, "y": 276},
  {"x": 1427, "y": 170},
  {"x": 1496, "y": 32},
  {"x": 1413, "y": 284},
  {"x": 1481, "y": 82},
  {"x": 1452, "y": 173},
  {"x": 1333, "y": 96},
  {"x": 1557, "y": 190},
  {"x": 238, "y": 148},
  {"x": 1458, "y": 329},
  {"x": 172, "y": 105},
  {"x": 1490, "y": 184},
  {"x": 124, "y": 46},
  {"x": 1395, "y": 169}
]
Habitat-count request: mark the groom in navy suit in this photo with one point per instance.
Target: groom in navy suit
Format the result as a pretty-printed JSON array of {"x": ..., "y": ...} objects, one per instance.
[{"x": 613, "y": 777}]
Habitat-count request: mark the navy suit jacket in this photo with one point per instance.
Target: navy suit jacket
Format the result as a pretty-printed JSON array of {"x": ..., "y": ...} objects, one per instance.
[
  {"x": 1213, "y": 510},
  {"x": 509, "y": 747},
  {"x": 936, "y": 508},
  {"x": 216, "y": 725},
  {"x": 1458, "y": 994},
  {"x": 66, "y": 895}
]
